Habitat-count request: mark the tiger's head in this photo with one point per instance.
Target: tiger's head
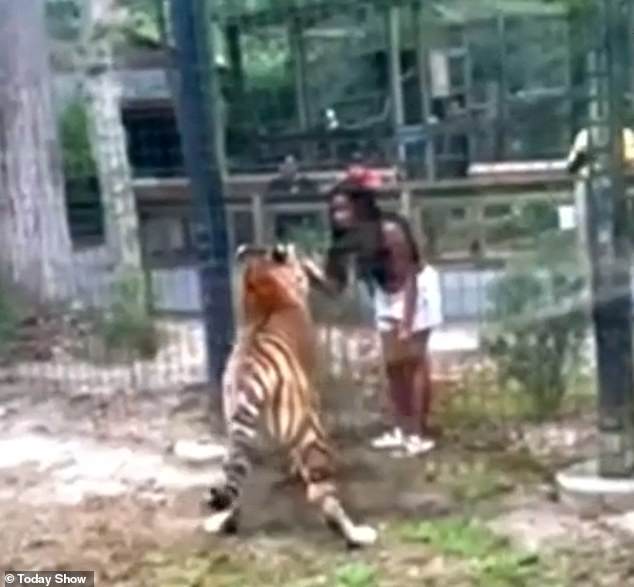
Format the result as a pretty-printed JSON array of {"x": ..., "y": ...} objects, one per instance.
[{"x": 273, "y": 280}]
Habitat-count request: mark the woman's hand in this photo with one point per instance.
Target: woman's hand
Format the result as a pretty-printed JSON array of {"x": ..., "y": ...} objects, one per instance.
[
  {"x": 406, "y": 326},
  {"x": 318, "y": 277},
  {"x": 398, "y": 329},
  {"x": 404, "y": 331}
]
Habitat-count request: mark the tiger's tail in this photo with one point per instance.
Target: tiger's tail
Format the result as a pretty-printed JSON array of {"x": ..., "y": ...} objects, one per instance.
[{"x": 224, "y": 500}]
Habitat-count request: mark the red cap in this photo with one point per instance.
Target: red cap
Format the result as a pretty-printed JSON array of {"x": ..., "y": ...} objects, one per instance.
[{"x": 364, "y": 177}]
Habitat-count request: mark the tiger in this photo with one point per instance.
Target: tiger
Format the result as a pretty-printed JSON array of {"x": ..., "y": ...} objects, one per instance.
[{"x": 268, "y": 380}]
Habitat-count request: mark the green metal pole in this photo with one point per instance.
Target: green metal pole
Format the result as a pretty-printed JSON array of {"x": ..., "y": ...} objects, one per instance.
[
  {"x": 608, "y": 240},
  {"x": 422, "y": 56},
  {"x": 198, "y": 121},
  {"x": 393, "y": 26}
]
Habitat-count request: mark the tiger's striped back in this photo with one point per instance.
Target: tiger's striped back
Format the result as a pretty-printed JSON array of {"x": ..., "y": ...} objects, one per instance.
[
  {"x": 266, "y": 372},
  {"x": 268, "y": 375}
]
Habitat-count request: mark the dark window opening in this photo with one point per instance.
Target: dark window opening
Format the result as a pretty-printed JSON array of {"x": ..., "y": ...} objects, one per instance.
[
  {"x": 84, "y": 211},
  {"x": 154, "y": 145}
]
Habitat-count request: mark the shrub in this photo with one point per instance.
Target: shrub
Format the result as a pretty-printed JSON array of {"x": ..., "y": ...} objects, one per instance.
[
  {"x": 8, "y": 318},
  {"x": 539, "y": 322},
  {"x": 355, "y": 574},
  {"x": 128, "y": 326}
]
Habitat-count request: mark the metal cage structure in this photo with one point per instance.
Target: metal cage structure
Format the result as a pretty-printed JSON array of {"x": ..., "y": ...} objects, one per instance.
[
  {"x": 467, "y": 108},
  {"x": 430, "y": 87}
]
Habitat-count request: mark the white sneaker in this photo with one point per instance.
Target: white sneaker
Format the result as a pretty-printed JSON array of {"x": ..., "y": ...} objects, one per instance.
[
  {"x": 416, "y": 445},
  {"x": 388, "y": 440}
]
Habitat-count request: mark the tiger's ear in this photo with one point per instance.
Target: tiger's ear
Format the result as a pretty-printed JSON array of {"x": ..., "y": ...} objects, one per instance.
[
  {"x": 240, "y": 253},
  {"x": 245, "y": 251},
  {"x": 279, "y": 254},
  {"x": 283, "y": 252}
]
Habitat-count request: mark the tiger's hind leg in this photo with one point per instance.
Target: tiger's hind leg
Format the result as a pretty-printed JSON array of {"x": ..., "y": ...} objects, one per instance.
[
  {"x": 290, "y": 476},
  {"x": 315, "y": 462},
  {"x": 324, "y": 494},
  {"x": 224, "y": 500}
]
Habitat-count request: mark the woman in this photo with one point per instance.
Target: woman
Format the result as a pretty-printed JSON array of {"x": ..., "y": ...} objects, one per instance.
[{"x": 406, "y": 291}]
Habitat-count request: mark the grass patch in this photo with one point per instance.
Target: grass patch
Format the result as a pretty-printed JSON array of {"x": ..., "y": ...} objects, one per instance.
[
  {"x": 491, "y": 561},
  {"x": 448, "y": 552},
  {"x": 242, "y": 564},
  {"x": 357, "y": 574},
  {"x": 455, "y": 537},
  {"x": 301, "y": 564},
  {"x": 445, "y": 552},
  {"x": 471, "y": 477},
  {"x": 478, "y": 485}
]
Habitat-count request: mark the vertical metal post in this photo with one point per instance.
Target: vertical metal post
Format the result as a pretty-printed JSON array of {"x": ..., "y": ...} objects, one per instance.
[
  {"x": 212, "y": 34},
  {"x": 236, "y": 63},
  {"x": 422, "y": 56},
  {"x": 257, "y": 210},
  {"x": 468, "y": 93},
  {"x": 298, "y": 57},
  {"x": 608, "y": 241},
  {"x": 405, "y": 201},
  {"x": 478, "y": 219},
  {"x": 500, "y": 134},
  {"x": 198, "y": 89},
  {"x": 630, "y": 49},
  {"x": 396, "y": 87}
]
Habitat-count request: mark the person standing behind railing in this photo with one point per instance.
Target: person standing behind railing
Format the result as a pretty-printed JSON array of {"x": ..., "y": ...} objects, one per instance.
[
  {"x": 578, "y": 163},
  {"x": 289, "y": 181},
  {"x": 578, "y": 160}
]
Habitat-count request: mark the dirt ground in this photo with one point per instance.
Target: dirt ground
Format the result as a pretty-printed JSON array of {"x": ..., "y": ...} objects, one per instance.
[{"x": 90, "y": 481}]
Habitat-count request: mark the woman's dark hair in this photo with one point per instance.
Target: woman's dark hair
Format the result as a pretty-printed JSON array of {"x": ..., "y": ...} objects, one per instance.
[
  {"x": 380, "y": 270},
  {"x": 362, "y": 199},
  {"x": 365, "y": 240}
]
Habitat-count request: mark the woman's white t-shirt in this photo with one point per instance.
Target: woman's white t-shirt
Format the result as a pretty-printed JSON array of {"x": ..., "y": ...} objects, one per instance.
[{"x": 389, "y": 308}]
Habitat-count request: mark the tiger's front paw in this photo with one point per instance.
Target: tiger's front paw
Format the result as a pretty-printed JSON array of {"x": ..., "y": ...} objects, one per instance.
[
  {"x": 360, "y": 536},
  {"x": 220, "y": 499},
  {"x": 222, "y": 522}
]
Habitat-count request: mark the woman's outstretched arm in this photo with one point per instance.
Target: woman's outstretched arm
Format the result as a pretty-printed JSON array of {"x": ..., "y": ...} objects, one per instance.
[{"x": 319, "y": 279}]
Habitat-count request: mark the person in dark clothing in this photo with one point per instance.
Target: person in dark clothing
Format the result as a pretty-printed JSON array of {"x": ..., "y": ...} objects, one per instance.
[{"x": 290, "y": 181}]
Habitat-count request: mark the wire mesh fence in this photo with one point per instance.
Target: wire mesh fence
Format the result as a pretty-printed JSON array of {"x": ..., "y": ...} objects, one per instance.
[{"x": 514, "y": 356}]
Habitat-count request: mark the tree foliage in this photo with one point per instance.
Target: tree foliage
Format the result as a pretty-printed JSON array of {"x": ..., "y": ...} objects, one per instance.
[
  {"x": 78, "y": 160},
  {"x": 140, "y": 22},
  {"x": 144, "y": 25}
]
